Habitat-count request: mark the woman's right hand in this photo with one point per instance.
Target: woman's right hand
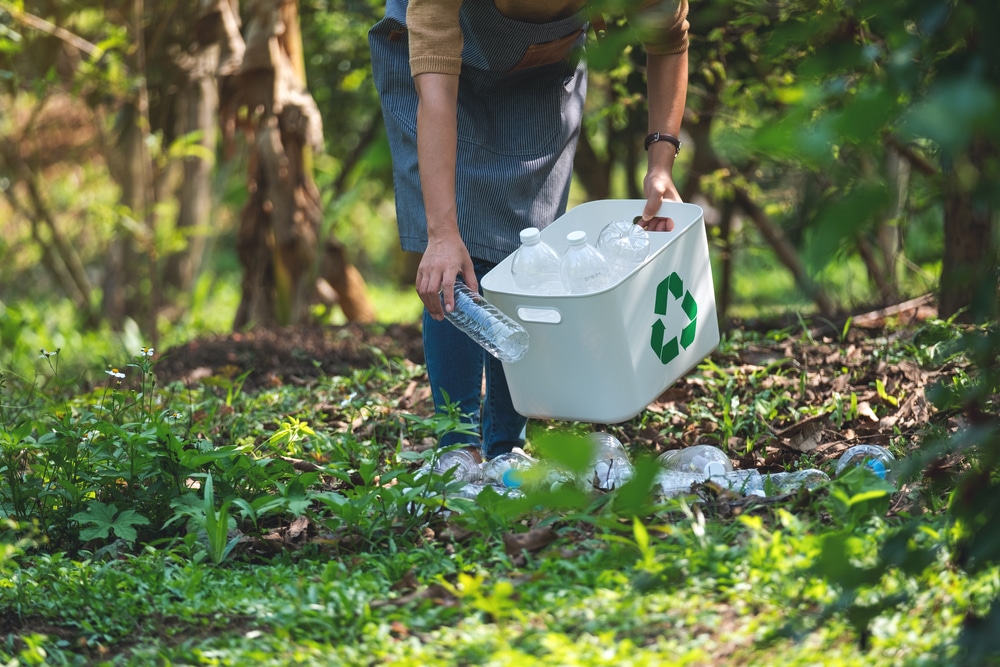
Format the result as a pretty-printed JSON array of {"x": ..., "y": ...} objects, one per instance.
[{"x": 445, "y": 258}]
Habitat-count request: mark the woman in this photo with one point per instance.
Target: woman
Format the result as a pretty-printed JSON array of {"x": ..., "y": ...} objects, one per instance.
[{"x": 483, "y": 101}]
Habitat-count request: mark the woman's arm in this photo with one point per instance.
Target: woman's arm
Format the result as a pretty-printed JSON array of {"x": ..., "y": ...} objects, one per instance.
[
  {"x": 437, "y": 143},
  {"x": 666, "y": 84}
]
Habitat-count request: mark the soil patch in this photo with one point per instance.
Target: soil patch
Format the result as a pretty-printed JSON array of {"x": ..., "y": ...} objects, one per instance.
[{"x": 290, "y": 355}]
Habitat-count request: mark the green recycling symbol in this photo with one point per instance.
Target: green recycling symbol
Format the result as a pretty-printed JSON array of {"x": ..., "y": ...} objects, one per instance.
[{"x": 667, "y": 351}]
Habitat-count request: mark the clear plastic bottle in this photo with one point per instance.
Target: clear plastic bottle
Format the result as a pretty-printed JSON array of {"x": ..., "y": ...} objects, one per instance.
[
  {"x": 675, "y": 483},
  {"x": 507, "y": 469},
  {"x": 583, "y": 268},
  {"x": 462, "y": 462},
  {"x": 611, "y": 467},
  {"x": 699, "y": 459},
  {"x": 780, "y": 483},
  {"x": 625, "y": 245},
  {"x": 535, "y": 265},
  {"x": 486, "y": 324},
  {"x": 874, "y": 457}
]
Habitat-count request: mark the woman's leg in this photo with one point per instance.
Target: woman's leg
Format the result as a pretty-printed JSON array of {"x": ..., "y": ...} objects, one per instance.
[
  {"x": 455, "y": 368},
  {"x": 455, "y": 365}
]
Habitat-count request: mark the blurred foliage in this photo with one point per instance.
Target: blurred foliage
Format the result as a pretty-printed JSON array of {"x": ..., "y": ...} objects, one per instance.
[{"x": 805, "y": 109}]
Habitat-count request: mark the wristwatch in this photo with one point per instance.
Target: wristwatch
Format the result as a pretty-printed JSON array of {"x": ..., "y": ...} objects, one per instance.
[{"x": 662, "y": 136}]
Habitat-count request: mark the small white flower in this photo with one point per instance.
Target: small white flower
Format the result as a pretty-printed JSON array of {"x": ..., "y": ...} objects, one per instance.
[
  {"x": 146, "y": 352},
  {"x": 91, "y": 435},
  {"x": 45, "y": 354},
  {"x": 115, "y": 373}
]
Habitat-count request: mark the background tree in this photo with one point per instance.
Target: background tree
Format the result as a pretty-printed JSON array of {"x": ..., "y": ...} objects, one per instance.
[
  {"x": 149, "y": 77},
  {"x": 819, "y": 138}
]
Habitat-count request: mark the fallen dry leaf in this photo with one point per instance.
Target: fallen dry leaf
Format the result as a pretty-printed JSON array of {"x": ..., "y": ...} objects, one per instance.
[{"x": 533, "y": 540}]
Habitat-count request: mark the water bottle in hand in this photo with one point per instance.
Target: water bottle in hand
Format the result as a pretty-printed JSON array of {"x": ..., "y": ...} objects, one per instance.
[{"x": 486, "y": 324}]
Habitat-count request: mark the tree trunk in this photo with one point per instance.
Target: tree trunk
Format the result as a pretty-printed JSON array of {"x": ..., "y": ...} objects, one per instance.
[
  {"x": 197, "y": 107},
  {"x": 786, "y": 252},
  {"x": 280, "y": 223},
  {"x": 967, "y": 289}
]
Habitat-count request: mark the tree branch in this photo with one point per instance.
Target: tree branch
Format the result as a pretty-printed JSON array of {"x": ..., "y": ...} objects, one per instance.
[
  {"x": 786, "y": 253},
  {"x": 41, "y": 25}
]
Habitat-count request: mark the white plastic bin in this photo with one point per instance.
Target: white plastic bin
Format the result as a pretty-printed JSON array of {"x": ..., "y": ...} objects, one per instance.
[{"x": 604, "y": 357}]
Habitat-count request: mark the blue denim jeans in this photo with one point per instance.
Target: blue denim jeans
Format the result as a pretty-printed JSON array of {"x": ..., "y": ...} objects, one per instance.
[{"x": 455, "y": 366}]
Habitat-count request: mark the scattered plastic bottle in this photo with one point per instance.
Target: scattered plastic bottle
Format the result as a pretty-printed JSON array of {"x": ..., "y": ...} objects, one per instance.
[
  {"x": 674, "y": 483},
  {"x": 462, "y": 462},
  {"x": 583, "y": 268},
  {"x": 535, "y": 265},
  {"x": 486, "y": 324},
  {"x": 699, "y": 459},
  {"x": 507, "y": 470},
  {"x": 780, "y": 483},
  {"x": 470, "y": 491},
  {"x": 874, "y": 457},
  {"x": 625, "y": 245},
  {"x": 611, "y": 467}
]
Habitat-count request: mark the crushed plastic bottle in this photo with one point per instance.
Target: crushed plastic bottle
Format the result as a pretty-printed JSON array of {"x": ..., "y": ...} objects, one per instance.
[
  {"x": 611, "y": 467},
  {"x": 625, "y": 245},
  {"x": 486, "y": 324},
  {"x": 780, "y": 483},
  {"x": 674, "y": 483},
  {"x": 583, "y": 268},
  {"x": 463, "y": 464},
  {"x": 547, "y": 476},
  {"x": 535, "y": 265},
  {"x": 470, "y": 491},
  {"x": 699, "y": 459},
  {"x": 507, "y": 470},
  {"x": 874, "y": 457}
]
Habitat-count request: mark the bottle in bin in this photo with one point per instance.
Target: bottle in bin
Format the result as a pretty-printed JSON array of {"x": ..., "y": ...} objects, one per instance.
[
  {"x": 486, "y": 324},
  {"x": 583, "y": 268},
  {"x": 624, "y": 244},
  {"x": 535, "y": 265}
]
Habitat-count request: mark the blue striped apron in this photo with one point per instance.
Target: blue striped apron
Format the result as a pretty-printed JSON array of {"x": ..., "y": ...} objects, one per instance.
[{"x": 518, "y": 124}]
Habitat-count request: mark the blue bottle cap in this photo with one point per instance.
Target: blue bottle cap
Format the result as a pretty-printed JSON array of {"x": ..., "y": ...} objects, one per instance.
[
  {"x": 877, "y": 467},
  {"x": 511, "y": 478}
]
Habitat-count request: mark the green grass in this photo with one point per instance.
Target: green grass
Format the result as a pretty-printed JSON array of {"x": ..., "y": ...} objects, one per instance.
[{"x": 115, "y": 552}]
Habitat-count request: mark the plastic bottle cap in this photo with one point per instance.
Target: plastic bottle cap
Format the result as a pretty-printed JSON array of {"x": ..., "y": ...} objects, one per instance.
[
  {"x": 577, "y": 237},
  {"x": 877, "y": 467},
  {"x": 511, "y": 477},
  {"x": 530, "y": 235}
]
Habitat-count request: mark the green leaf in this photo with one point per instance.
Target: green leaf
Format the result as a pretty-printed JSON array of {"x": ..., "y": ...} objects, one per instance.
[
  {"x": 105, "y": 520},
  {"x": 841, "y": 216},
  {"x": 573, "y": 452}
]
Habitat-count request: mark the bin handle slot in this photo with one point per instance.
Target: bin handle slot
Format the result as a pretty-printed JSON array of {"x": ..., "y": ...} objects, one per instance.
[
  {"x": 637, "y": 219},
  {"x": 540, "y": 315}
]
